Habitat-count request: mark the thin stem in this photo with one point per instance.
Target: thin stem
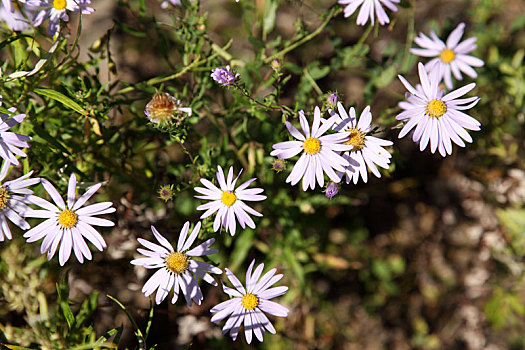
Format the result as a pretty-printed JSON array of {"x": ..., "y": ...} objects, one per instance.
[
  {"x": 191, "y": 159},
  {"x": 253, "y": 99},
  {"x": 194, "y": 64},
  {"x": 332, "y": 14},
  {"x": 410, "y": 36}
]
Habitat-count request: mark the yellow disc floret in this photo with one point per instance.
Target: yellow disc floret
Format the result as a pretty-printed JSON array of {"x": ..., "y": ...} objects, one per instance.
[
  {"x": 67, "y": 218},
  {"x": 59, "y": 4},
  {"x": 312, "y": 146},
  {"x": 177, "y": 262},
  {"x": 356, "y": 139},
  {"x": 4, "y": 197},
  {"x": 447, "y": 55},
  {"x": 228, "y": 198},
  {"x": 436, "y": 108},
  {"x": 250, "y": 301}
]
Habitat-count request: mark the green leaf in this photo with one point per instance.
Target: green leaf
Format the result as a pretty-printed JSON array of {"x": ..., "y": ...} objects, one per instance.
[
  {"x": 68, "y": 314},
  {"x": 66, "y": 101},
  {"x": 269, "y": 16},
  {"x": 243, "y": 243},
  {"x": 129, "y": 30},
  {"x": 296, "y": 267}
]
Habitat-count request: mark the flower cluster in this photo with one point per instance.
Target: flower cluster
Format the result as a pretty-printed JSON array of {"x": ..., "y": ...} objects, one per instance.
[
  {"x": 224, "y": 76},
  {"x": 344, "y": 145}
]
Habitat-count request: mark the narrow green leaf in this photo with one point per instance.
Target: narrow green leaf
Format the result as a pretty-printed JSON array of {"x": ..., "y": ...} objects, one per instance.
[{"x": 58, "y": 96}]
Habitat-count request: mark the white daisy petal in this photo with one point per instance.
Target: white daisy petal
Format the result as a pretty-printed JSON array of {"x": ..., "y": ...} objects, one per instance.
[
  {"x": 442, "y": 120},
  {"x": 448, "y": 59},
  {"x": 229, "y": 197},
  {"x": 176, "y": 267},
  {"x": 249, "y": 307}
]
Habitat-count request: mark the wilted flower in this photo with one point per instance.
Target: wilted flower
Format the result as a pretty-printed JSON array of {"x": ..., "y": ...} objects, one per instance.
[
  {"x": 224, "y": 76},
  {"x": 320, "y": 154},
  {"x": 13, "y": 200},
  {"x": 450, "y": 58},
  {"x": 10, "y": 141},
  {"x": 437, "y": 117},
  {"x": 250, "y": 305},
  {"x": 176, "y": 268},
  {"x": 166, "y": 192},
  {"x": 56, "y": 10},
  {"x": 68, "y": 225},
  {"x": 279, "y": 165},
  {"x": 368, "y": 7},
  {"x": 163, "y": 107},
  {"x": 332, "y": 189}
]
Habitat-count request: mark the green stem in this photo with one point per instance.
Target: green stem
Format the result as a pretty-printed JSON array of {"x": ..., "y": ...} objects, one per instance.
[
  {"x": 189, "y": 67},
  {"x": 332, "y": 14},
  {"x": 253, "y": 99},
  {"x": 410, "y": 36}
]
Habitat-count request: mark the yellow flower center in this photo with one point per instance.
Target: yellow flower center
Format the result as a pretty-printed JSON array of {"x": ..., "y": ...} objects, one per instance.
[
  {"x": 312, "y": 146},
  {"x": 177, "y": 262},
  {"x": 67, "y": 218},
  {"x": 59, "y": 4},
  {"x": 447, "y": 55},
  {"x": 436, "y": 108},
  {"x": 4, "y": 197},
  {"x": 250, "y": 301},
  {"x": 356, "y": 139},
  {"x": 228, "y": 198}
]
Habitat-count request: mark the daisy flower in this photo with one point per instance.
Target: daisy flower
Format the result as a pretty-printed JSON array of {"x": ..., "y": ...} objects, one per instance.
[
  {"x": 250, "y": 304},
  {"x": 69, "y": 224},
  {"x": 321, "y": 153},
  {"x": 15, "y": 19},
  {"x": 56, "y": 10},
  {"x": 13, "y": 200},
  {"x": 367, "y": 150},
  {"x": 227, "y": 201},
  {"x": 451, "y": 57},
  {"x": 177, "y": 268},
  {"x": 8, "y": 5},
  {"x": 224, "y": 76},
  {"x": 367, "y": 10},
  {"x": 10, "y": 141},
  {"x": 437, "y": 117}
]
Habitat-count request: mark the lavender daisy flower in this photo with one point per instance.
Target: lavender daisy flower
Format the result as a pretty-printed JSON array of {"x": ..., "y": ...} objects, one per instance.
[
  {"x": 15, "y": 19},
  {"x": 321, "y": 153},
  {"x": 69, "y": 224},
  {"x": 13, "y": 200},
  {"x": 451, "y": 57},
  {"x": 56, "y": 10},
  {"x": 227, "y": 201},
  {"x": 367, "y": 10},
  {"x": 8, "y": 5},
  {"x": 224, "y": 76},
  {"x": 367, "y": 150},
  {"x": 437, "y": 117},
  {"x": 10, "y": 141},
  {"x": 177, "y": 268},
  {"x": 250, "y": 305}
]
